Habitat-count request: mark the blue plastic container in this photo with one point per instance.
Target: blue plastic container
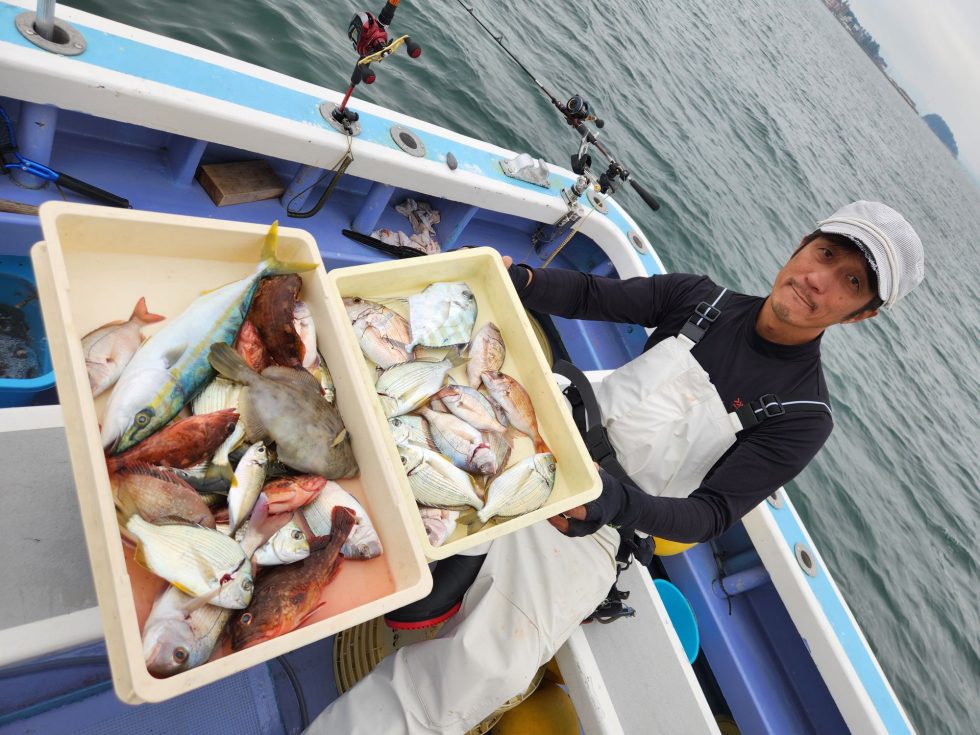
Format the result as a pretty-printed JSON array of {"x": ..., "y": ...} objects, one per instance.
[
  {"x": 17, "y": 286},
  {"x": 681, "y": 617}
]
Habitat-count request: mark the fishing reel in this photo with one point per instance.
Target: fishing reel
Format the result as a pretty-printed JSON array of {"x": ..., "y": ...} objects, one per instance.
[
  {"x": 578, "y": 110},
  {"x": 369, "y": 36}
]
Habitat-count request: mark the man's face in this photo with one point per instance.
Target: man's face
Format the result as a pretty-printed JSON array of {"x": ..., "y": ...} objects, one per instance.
[{"x": 823, "y": 284}]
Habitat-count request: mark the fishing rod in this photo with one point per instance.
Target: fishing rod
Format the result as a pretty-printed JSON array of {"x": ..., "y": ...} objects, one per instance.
[{"x": 577, "y": 111}]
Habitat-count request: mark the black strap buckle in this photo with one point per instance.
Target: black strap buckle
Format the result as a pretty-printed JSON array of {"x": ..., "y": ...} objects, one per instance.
[
  {"x": 771, "y": 405},
  {"x": 597, "y": 442},
  {"x": 707, "y": 312}
]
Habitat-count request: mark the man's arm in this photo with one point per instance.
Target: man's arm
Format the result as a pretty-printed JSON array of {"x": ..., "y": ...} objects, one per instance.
[
  {"x": 755, "y": 467},
  {"x": 575, "y": 295}
]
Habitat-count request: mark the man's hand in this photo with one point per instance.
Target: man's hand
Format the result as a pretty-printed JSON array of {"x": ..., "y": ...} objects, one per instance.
[
  {"x": 508, "y": 261},
  {"x": 560, "y": 521}
]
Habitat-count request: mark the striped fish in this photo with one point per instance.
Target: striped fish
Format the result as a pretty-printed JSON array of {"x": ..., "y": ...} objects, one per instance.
[
  {"x": 521, "y": 488},
  {"x": 406, "y": 386},
  {"x": 441, "y": 316},
  {"x": 437, "y": 482}
]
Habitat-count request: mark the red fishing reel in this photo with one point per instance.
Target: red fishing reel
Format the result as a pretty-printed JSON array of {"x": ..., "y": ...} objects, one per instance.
[{"x": 369, "y": 36}]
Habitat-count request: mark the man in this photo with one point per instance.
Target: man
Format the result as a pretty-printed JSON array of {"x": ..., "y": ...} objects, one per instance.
[{"x": 727, "y": 403}]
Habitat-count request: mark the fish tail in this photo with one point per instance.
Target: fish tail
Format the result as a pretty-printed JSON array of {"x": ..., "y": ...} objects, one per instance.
[
  {"x": 229, "y": 363},
  {"x": 141, "y": 314},
  {"x": 271, "y": 265},
  {"x": 540, "y": 447}
]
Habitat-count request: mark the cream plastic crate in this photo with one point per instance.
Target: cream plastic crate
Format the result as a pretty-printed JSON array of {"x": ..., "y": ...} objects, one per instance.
[
  {"x": 577, "y": 480},
  {"x": 93, "y": 266}
]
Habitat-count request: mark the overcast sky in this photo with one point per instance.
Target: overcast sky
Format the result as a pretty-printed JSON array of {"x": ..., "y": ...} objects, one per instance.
[{"x": 932, "y": 48}]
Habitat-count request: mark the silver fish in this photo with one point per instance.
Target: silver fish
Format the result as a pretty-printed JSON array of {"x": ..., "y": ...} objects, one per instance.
[
  {"x": 442, "y": 315},
  {"x": 437, "y": 482},
  {"x": 411, "y": 428},
  {"x": 306, "y": 330},
  {"x": 249, "y": 478},
  {"x": 406, "y": 386},
  {"x": 284, "y": 405},
  {"x": 287, "y": 545},
  {"x": 381, "y": 332},
  {"x": 178, "y": 635},
  {"x": 363, "y": 541},
  {"x": 486, "y": 352},
  {"x": 460, "y": 443},
  {"x": 217, "y": 395},
  {"x": 521, "y": 488}
]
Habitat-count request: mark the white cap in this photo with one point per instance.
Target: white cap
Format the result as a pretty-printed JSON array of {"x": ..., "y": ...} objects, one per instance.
[{"x": 888, "y": 241}]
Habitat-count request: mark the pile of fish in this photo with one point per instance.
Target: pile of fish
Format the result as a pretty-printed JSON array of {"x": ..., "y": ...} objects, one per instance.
[
  {"x": 225, "y": 483},
  {"x": 455, "y": 439}
]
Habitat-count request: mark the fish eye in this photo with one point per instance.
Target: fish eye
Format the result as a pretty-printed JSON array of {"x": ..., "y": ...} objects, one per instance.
[
  {"x": 246, "y": 618},
  {"x": 143, "y": 417},
  {"x": 297, "y": 534},
  {"x": 247, "y": 585},
  {"x": 180, "y": 655}
]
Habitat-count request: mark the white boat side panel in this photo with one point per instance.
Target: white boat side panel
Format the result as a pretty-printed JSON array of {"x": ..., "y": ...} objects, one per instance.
[
  {"x": 828, "y": 628},
  {"x": 643, "y": 667},
  {"x": 45, "y": 637}
]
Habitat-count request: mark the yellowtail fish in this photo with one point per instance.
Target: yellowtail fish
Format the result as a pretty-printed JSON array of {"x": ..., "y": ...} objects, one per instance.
[
  {"x": 381, "y": 332},
  {"x": 284, "y": 405},
  {"x": 109, "y": 348},
  {"x": 180, "y": 634},
  {"x": 363, "y": 541},
  {"x": 442, "y": 315},
  {"x": 437, "y": 482},
  {"x": 521, "y": 488},
  {"x": 486, "y": 352},
  {"x": 172, "y": 365},
  {"x": 406, "y": 386}
]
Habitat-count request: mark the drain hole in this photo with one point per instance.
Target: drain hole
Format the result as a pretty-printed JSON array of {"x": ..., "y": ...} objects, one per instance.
[{"x": 408, "y": 140}]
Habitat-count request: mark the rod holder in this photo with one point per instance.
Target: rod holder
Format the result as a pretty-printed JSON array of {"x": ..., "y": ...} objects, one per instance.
[{"x": 47, "y": 32}]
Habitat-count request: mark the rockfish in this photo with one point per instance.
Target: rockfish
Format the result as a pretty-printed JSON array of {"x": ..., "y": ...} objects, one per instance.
[
  {"x": 109, "y": 348},
  {"x": 172, "y": 365},
  {"x": 287, "y": 595},
  {"x": 272, "y": 314},
  {"x": 158, "y": 494},
  {"x": 185, "y": 443}
]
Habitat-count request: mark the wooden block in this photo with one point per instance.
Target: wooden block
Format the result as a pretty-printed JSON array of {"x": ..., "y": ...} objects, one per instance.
[{"x": 237, "y": 183}]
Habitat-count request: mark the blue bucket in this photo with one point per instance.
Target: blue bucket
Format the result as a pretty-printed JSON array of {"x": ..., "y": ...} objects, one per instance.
[
  {"x": 17, "y": 286},
  {"x": 681, "y": 617}
]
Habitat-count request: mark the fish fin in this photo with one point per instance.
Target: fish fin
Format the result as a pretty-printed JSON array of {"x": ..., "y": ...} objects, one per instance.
[
  {"x": 126, "y": 507},
  {"x": 172, "y": 356},
  {"x": 475, "y": 525},
  {"x": 221, "y": 472},
  {"x": 539, "y": 446},
  {"x": 139, "y": 556},
  {"x": 341, "y": 435},
  {"x": 141, "y": 314},
  {"x": 271, "y": 265},
  {"x": 313, "y": 612},
  {"x": 186, "y": 591},
  {"x": 229, "y": 363},
  {"x": 196, "y": 603},
  {"x": 467, "y": 516},
  {"x": 254, "y": 428},
  {"x": 457, "y": 360},
  {"x": 300, "y": 377}
]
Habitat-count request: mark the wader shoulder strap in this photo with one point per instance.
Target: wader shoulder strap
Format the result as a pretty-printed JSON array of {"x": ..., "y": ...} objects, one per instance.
[
  {"x": 768, "y": 406},
  {"x": 705, "y": 314}
]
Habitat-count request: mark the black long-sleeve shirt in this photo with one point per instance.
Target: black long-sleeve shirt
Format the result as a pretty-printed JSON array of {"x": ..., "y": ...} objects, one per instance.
[{"x": 742, "y": 366}]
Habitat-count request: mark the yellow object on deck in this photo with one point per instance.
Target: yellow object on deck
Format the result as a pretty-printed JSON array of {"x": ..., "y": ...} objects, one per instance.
[
  {"x": 669, "y": 548},
  {"x": 549, "y": 711}
]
